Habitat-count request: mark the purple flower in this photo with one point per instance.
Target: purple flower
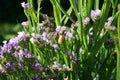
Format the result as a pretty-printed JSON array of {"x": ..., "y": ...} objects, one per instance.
[
  {"x": 73, "y": 55},
  {"x": 61, "y": 29},
  {"x": 66, "y": 68},
  {"x": 44, "y": 34},
  {"x": 110, "y": 19},
  {"x": 95, "y": 14},
  {"x": 36, "y": 66},
  {"x": 28, "y": 55},
  {"x": 13, "y": 66},
  {"x": 25, "y": 5},
  {"x": 42, "y": 27},
  {"x": 7, "y": 47},
  {"x": 24, "y": 23},
  {"x": 23, "y": 53},
  {"x": 56, "y": 66},
  {"x": 7, "y": 66},
  {"x": 2, "y": 51},
  {"x": 36, "y": 36},
  {"x": 107, "y": 24},
  {"x": 15, "y": 55},
  {"x": 68, "y": 35},
  {"x": 22, "y": 36},
  {"x": 55, "y": 46},
  {"x": 14, "y": 42},
  {"x": 45, "y": 16},
  {"x": 86, "y": 21},
  {"x": 57, "y": 29}
]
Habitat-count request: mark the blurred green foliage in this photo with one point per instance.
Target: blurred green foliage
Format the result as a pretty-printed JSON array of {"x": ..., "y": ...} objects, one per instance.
[
  {"x": 11, "y": 13},
  {"x": 8, "y": 31}
]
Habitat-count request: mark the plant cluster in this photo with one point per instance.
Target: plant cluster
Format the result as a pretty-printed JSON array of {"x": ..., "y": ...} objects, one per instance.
[{"x": 50, "y": 49}]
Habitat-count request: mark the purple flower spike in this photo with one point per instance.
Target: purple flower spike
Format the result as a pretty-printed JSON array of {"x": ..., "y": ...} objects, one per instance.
[
  {"x": 24, "y": 23},
  {"x": 95, "y": 14},
  {"x": 25, "y": 5},
  {"x": 68, "y": 35}
]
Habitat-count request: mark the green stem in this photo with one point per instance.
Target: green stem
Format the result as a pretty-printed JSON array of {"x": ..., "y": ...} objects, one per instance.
[
  {"x": 57, "y": 13},
  {"x": 96, "y": 4},
  {"x": 90, "y": 4},
  {"x": 38, "y": 11},
  {"x": 60, "y": 7},
  {"x": 103, "y": 16},
  {"x": 72, "y": 2},
  {"x": 118, "y": 50}
]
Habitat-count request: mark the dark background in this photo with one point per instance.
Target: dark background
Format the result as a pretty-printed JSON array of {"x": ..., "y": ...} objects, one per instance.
[{"x": 12, "y": 12}]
